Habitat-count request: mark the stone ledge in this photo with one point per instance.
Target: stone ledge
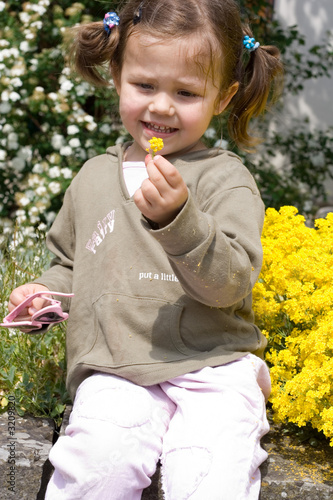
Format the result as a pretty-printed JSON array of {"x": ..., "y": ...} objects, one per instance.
[
  {"x": 29, "y": 445},
  {"x": 293, "y": 471}
]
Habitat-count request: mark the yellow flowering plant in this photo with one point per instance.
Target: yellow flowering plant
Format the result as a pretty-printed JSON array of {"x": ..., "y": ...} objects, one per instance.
[
  {"x": 156, "y": 144},
  {"x": 293, "y": 302}
]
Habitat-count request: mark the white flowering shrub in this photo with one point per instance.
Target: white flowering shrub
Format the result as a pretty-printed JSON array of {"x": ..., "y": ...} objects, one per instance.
[{"x": 50, "y": 123}]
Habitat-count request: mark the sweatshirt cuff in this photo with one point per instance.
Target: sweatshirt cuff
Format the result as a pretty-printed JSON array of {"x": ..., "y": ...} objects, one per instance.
[{"x": 187, "y": 231}]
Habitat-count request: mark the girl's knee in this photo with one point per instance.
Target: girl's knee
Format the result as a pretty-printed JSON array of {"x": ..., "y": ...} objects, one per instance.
[
  {"x": 89, "y": 466},
  {"x": 184, "y": 469}
]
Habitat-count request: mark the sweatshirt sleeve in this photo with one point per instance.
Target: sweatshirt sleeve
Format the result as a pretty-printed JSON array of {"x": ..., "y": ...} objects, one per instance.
[
  {"x": 215, "y": 251},
  {"x": 61, "y": 242}
]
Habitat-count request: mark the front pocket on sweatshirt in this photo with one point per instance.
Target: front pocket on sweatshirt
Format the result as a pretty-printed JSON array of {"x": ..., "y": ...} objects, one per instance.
[{"x": 139, "y": 330}]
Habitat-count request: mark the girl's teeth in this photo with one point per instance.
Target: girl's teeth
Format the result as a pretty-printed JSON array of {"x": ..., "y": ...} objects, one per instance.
[{"x": 157, "y": 128}]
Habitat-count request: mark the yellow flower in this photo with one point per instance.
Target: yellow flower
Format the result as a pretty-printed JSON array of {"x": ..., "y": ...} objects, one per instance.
[
  {"x": 4, "y": 402},
  {"x": 293, "y": 302},
  {"x": 156, "y": 144}
]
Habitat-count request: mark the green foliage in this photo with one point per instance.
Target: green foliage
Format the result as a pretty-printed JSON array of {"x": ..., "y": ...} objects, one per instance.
[
  {"x": 307, "y": 163},
  {"x": 307, "y": 155},
  {"x": 32, "y": 367},
  {"x": 301, "y": 63}
]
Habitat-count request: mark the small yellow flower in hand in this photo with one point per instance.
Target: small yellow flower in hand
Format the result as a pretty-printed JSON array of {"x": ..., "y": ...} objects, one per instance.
[{"x": 156, "y": 144}]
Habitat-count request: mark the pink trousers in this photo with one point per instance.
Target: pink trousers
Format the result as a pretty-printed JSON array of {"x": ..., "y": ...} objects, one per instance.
[{"x": 205, "y": 428}]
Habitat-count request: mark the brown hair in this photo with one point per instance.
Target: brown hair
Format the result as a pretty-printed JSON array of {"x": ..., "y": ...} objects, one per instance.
[{"x": 218, "y": 24}]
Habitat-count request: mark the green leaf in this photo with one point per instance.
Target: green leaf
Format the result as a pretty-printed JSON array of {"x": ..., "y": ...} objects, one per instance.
[
  {"x": 58, "y": 410},
  {"x": 11, "y": 374}
]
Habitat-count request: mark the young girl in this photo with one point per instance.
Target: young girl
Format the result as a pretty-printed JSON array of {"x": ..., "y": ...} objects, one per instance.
[{"x": 164, "y": 360}]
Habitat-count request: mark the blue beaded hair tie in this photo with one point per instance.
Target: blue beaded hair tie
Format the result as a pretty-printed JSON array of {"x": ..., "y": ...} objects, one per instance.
[
  {"x": 250, "y": 44},
  {"x": 110, "y": 21}
]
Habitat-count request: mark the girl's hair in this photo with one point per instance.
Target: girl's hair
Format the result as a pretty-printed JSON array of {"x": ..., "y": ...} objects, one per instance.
[{"x": 218, "y": 24}]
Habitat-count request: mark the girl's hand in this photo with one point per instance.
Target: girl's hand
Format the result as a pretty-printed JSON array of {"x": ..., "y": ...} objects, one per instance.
[
  {"x": 20, "y": 294},
  {"x": 161, "y": 197}
]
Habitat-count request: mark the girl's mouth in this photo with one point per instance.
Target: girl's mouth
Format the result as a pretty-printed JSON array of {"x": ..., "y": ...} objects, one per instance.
[{"x": 159, "y": 129}]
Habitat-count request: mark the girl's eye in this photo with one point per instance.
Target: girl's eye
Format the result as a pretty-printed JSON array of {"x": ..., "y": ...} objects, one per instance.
[
  {"x": 187, "y": 93},
  {"x": 145, "y": 86}
]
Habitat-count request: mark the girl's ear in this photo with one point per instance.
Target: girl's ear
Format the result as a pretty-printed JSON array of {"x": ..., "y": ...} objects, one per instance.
[{"x": 223, "y": 102}]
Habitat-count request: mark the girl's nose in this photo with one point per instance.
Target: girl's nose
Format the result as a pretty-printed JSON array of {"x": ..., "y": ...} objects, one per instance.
[{"x": 161, "y": 104}]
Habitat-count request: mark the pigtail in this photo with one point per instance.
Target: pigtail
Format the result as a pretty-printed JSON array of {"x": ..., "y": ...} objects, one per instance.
[
  {"x": 260, "y": 82},
  {"x": 92, "y": 51}
]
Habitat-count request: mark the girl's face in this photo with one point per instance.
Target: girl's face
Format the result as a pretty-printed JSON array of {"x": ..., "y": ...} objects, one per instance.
[{"x": 163, "y": 93}]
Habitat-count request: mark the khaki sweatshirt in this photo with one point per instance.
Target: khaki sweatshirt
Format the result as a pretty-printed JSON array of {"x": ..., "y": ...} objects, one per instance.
[{"x": 151, "y": 304}]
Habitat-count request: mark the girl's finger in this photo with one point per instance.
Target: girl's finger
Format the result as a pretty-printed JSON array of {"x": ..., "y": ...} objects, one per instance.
[
  {"x": 38, "y": 304},
  {"x": 156, "y": 178},
  {"x": 147, "y": 194},
  {"x": 168, "y": 171}
]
